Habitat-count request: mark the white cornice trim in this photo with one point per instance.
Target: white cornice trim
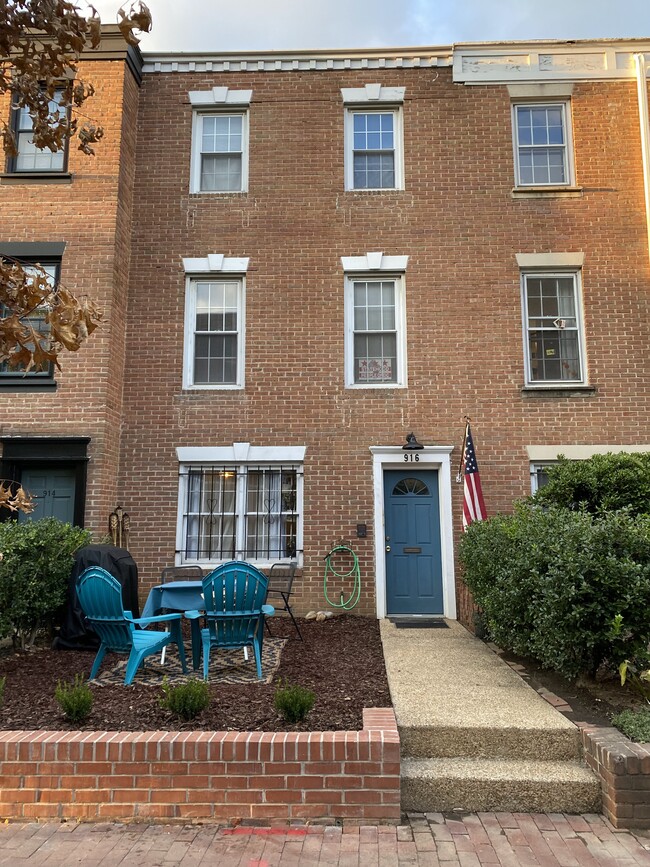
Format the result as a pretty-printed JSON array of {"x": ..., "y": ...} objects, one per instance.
[
  {"x": 372, "y": 93},
  {"x": 550, "y": 260},
  {"x": 215, "y": 263},
  {"x": 374, "y": 262},
  {"x": 220, "y": 96}
]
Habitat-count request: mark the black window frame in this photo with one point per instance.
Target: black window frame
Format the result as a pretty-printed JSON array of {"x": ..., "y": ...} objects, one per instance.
[{"x": 12, "y": 161}]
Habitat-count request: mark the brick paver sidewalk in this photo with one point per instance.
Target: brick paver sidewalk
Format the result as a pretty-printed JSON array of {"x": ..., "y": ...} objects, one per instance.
[{"x": 468, "y": 840}]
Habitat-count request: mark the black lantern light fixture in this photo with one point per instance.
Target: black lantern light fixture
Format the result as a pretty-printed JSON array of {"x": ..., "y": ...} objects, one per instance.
[{"x": 412, "y": 445}]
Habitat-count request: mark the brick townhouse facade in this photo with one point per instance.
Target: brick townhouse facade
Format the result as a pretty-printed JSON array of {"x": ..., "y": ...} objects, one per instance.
[{"x": 304, "y": 257}]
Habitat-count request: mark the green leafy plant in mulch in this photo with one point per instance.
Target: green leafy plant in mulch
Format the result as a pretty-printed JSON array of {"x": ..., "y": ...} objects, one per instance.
[
  {"x": 293, "y": 702},
  {"x": 634, "y": 724},
  {"x": 187, "y": 700},
  {"x": 75, "y": 699}
]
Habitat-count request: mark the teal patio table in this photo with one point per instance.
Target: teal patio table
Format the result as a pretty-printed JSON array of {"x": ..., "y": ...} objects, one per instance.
[{"x": 179, "y": 596}]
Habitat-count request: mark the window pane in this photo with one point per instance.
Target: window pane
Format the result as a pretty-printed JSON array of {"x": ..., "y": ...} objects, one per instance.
[
  {"x": 221, "y": 173},
  {"x": 216, "y": 333},
  {"x": 553, "y": 341}
]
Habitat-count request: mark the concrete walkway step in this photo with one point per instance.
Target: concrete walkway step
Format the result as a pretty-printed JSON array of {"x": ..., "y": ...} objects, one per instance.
[
  {"x": 495, "y": 785},
  {"x": 486, "y": 742}
]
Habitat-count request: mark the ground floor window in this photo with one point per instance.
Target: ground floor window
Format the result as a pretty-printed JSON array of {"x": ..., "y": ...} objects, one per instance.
[
  {"x": 539, "y": 475},
  {"x": 240, "y": 511}
]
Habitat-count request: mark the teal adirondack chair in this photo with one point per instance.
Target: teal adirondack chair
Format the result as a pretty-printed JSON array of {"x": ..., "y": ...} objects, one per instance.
[
  {"x": 100, "y": 595},
  {"x": 235, "y": 608}
]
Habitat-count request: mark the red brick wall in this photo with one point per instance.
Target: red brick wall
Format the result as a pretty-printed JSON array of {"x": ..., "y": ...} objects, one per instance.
[
  {"x": 624, "y": 771},
  {"x": 203, "y": 775},
  {"x": 92, "y": 215},
  {"x": 461, "y": 228}
]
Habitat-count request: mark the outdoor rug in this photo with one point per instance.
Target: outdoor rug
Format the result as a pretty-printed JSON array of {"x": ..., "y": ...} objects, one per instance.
[
  {"x": 417, "y": 623},
  {"x": 226, "y": 666}
]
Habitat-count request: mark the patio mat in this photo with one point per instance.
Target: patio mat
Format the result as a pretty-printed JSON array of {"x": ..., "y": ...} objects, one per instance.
[
  {"x": 226, "y": 666},
  {"x": 419, "y": 624}
]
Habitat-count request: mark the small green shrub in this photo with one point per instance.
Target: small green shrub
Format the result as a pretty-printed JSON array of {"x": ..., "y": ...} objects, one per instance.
[
  {"x": 75, "y": 699},
  {"x": 634, "y": 724},
  {"x": 3, "y": 680},
  {"x": 187, "y": 700},
  {"x": 34, "y": 573},
  {"x": 293, "y": 702}
]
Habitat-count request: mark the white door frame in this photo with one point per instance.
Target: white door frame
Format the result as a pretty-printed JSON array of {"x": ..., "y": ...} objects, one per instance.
[{"x": 429, "y": 458}]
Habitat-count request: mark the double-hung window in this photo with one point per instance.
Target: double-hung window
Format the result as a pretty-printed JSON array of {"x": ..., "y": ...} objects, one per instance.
[
  {"x": 374, "y": 157},
  {"x": 241, "y": 509},
  {"x": 29, "y": 158},
  {"x": 542, "y": 141},
  {"x": 553, "y": 328},
  {"x": 40, "y": 373},
  {"x": 214, "y": 323},
  {"x": 219, "y": 141},
  {"x": 375, "y": 319}
]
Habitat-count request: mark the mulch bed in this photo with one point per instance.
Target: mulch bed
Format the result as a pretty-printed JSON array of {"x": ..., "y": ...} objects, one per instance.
[{"x": 340, "y": 659}]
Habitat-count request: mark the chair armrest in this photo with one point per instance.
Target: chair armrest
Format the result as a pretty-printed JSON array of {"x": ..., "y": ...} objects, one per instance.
[
  {"x": 145, "y": 621},
  {"x": 268, "y": 610},
  {"x": 193, "y": 614}
]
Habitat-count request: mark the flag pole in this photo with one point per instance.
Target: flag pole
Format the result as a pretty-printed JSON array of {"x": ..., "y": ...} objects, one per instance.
[{"x": 459, "y": 474}]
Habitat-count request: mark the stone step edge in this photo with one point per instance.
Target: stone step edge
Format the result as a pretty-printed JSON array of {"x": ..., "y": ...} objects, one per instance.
[
  {"x": 498, "y": 770},
  {"x": 431, "y": 741}
]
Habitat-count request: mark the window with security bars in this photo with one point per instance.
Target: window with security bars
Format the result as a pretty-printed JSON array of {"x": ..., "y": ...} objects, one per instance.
[
  {"x": 220, "y": 153},
  {"x": 553, "y": 329},
  {"x": 373, "y": 145},
  {"x": 542, "y": 145},
  {"x": 214, "y": 339},
  {"x": 240, "y": 512},
  {"x": 39, "y": 372},
  {"x": 29, "y": 158},
  {"x": 375, "y": 331}
]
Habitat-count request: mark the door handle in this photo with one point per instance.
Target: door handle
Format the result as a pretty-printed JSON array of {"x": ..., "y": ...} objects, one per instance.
[{"x": 387, "y": 548}]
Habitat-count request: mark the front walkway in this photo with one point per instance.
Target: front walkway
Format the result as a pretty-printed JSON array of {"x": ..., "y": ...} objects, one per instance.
[{"x": 467, "y": 840}]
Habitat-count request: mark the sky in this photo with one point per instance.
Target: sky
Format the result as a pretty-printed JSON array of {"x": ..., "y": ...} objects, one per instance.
[{"x": 258, "y": 25}]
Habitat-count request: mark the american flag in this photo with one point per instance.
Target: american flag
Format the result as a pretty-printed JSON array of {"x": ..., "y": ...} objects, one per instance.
[{"x": 473, "y": 503}]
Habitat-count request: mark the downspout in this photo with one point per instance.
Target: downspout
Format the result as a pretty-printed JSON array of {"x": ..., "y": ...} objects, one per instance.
[{"x": 642, "y": 92}]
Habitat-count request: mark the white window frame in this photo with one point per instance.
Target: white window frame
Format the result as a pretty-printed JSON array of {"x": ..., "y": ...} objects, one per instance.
[
  {"x": 376, "y": 267},
  {"x": 240, "y": 457},
  {"x": 575, "y": 274},
  {"x": 398, "y": 146},
  {"x": 213, "y": 268},
  {"x": 208, "y": 103},
  {"x": 569, "y": 167},
  {"x": 535, "y": 468}
]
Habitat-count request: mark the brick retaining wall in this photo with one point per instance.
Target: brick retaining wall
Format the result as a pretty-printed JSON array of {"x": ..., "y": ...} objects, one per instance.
[
  {"x": 203, "y": 775},
  {"x": 624, "y": 771}
]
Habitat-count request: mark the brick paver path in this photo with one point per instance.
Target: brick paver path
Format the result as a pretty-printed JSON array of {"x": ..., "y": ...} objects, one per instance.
[{"x": 468, "y": 840}]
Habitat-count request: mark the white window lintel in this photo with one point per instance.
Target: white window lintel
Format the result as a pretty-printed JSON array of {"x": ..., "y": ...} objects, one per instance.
[
  {"x": 372, "y": 93},
  {"x": 580, "y": 452},
  {"x": 240, "y": 453},
  {"x": 374, "y": 262},
  {"x": 550, "y": 260},
  {"x": 550, "y": 90},
  {"x": 218, "y": 97},
  {"x": 216, "y": 263}
]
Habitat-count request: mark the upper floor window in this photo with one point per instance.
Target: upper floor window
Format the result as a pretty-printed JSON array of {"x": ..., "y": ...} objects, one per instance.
[
  {"x": 219, "y": 141},
  {"x": 30, "y": 158},
  {"x": 40, "y": 372},
  {"x": 553, "y": 328},
  {"x": 214, "y": 323},
  {"x": 543, "y": 148},
  {"x": 374, "y": 157},
  {"x": 375, "y": 319}
]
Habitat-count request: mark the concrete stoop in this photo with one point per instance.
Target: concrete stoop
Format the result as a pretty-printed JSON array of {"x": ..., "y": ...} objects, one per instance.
[
  {"x": 474, "y": 736},
  {"x": 508, "y": 785}
]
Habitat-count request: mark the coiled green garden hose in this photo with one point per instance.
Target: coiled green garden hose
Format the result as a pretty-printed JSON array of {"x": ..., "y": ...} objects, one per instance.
[{"x": 353, "y": 598}]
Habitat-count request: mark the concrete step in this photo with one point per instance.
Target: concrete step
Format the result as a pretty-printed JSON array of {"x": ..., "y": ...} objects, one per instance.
[
  {"x": 512, "y": 785},
  {"x": 491, "y": 742}
]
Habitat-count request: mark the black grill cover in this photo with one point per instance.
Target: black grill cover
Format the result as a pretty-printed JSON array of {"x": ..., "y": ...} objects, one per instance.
[{"x": 75, "y": 634}]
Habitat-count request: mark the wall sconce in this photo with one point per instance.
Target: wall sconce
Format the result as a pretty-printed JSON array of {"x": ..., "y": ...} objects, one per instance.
[{"x": 412, "y": 445}]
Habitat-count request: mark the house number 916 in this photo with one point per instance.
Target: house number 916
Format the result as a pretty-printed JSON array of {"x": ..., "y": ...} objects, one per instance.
[{"x": 411, "y": 456}]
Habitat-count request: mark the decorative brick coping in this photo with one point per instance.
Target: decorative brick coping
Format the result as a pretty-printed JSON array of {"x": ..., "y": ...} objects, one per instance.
[
  {"x": 203, "y": 775},
  {"x": 624, "y": 771}
]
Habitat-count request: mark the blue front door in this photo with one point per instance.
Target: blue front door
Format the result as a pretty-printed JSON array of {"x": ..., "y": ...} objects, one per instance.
[
  {"x": 53, "y": 491},
  {"x": 412, "y": 542}
]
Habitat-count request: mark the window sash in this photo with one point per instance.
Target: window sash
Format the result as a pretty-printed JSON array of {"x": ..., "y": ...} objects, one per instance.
[
  {"x": 553, "y": 329},
  {"x": 373, "y": 149},
  {"x": 219, "y": 152},
  {"x": 30, "y": 158},
  {"x": 37, "y": 320},
  {"x": 240, "y": 512},
  {"x": 375, "y": 332},
  {"x": 214, "y": 333},
  {"x": 542, "y": 153}
]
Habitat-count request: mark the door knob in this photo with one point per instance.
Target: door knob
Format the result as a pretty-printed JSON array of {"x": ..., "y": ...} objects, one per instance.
[{"x": 387, "y": 547}]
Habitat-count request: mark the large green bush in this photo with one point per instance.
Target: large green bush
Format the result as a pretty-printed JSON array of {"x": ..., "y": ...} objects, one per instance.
[
  {"x": 37, "y": 557},
  {"x": 551, "y": 581},
  {"x": 601, "y": 484}
]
